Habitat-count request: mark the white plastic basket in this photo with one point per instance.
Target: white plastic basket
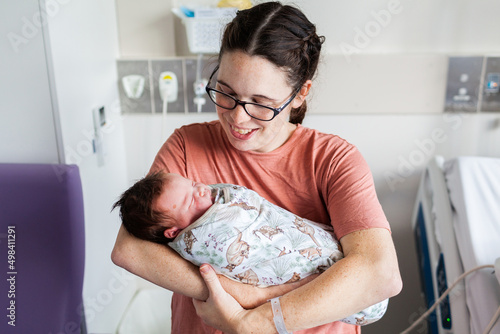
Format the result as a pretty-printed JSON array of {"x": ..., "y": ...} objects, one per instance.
[{"x": 204, "y": 30}]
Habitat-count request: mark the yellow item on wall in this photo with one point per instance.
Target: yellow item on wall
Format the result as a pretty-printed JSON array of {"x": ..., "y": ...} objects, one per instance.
[{"x": 240, "y": 4}]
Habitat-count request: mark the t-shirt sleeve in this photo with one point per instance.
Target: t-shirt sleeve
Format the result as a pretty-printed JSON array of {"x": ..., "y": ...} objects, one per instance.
[
  {"x": 172, "y": 155},
  {"x": 352, "y": 201}
]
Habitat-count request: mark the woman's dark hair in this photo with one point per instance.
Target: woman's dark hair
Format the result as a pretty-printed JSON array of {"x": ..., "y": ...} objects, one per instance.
[
  {"x": 136, "y": 209},
  {"x": 281, "y": 34}
]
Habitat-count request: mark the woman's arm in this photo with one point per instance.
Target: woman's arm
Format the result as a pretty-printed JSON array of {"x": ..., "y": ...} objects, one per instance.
[
  {"x": 164, "y": 267},
  {"x": 158, "y": 264},
  {"x": 367, "y": 275}
]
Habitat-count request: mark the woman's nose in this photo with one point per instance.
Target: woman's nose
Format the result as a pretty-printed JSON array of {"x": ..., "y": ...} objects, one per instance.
[{"x": 239, "y": 115}]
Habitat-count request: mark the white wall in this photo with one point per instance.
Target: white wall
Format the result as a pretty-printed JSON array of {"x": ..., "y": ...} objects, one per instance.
[
  {"x": 27, "y": 121},
  {"x": 84, "y": 47},
  {"x": 426, "y": 26},
  {"x": 51, "y": 80},
  {"x": 145, "y": 30},
  {"x": 384, "y": 92}
]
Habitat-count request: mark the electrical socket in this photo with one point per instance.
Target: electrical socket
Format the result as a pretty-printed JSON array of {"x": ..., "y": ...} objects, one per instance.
[
  {"x": 463, "y": 84},
  {"x": 142, "y": 105},
  {"x": 175, "y": 66},
  {"x": 491, "y": 93}
]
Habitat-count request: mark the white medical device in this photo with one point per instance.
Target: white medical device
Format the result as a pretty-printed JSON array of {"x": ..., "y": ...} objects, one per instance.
[
  {"x": 133, "y": 85},
  {"x": 169, "y": 88},
  {"x": 456, "y": 228}
]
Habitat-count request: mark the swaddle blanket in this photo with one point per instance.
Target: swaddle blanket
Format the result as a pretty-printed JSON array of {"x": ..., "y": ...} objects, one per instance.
[{"x": 249, "y": 239}]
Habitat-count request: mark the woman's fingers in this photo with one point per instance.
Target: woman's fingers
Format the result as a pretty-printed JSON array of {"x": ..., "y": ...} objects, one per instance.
[
  {"x": 220, "y": 310},
  {"x": 211, "y": 280}
]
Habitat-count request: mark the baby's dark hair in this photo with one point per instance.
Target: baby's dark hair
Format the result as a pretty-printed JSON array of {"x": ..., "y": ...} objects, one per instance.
[{"x": 136, "y": 209}]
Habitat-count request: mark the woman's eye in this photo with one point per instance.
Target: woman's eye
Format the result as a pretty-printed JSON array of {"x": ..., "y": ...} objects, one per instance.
[
  {"x": 263, "y": 103},
  {"x": 226, "y": 91}
]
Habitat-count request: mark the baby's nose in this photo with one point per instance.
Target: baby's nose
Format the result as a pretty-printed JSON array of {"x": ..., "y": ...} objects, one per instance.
[{"x": 201, "y": 191}]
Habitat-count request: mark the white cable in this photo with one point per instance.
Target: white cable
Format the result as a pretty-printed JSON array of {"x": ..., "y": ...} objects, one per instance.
[
  {"x": 443, "y": 296},
  {"x": 199, "y": 85},
  {"x": 492, "y": 322},
  {"x": 163, "y": 119},
  {"x": 127, "y": 308}
]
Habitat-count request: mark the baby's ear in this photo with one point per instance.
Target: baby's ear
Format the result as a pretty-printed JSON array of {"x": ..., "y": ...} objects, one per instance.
[{"x": 171, "y": 232}]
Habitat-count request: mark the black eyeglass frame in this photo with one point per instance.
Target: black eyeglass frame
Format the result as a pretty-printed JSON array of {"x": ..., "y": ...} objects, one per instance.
[{"x": 237, "y": 102}]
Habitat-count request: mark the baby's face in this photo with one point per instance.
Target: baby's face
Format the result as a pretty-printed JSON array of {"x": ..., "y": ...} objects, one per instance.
[{"x": 184, "y": 199}]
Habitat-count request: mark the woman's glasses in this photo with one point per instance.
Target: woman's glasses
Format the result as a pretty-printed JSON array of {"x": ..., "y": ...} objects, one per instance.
[{"x": 254, "y": 110}]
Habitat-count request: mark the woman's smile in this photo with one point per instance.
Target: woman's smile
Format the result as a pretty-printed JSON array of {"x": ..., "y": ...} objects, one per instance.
[
  {"x": 241, "y": 133},
  {"x": 248, "y": 77}
]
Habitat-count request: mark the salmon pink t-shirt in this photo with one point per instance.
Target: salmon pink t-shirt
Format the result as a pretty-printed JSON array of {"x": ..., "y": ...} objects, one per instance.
[{"x": 317, "y": 176}]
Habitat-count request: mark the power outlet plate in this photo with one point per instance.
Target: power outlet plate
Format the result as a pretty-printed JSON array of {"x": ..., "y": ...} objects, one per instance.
[
  {"x": 142, "y": 105},
  {"x": 463, "y": 84},
  {"x": 207, "y": 66},
  {"x": 491, "y": 92},
  {"x": 171, "y": 65}
]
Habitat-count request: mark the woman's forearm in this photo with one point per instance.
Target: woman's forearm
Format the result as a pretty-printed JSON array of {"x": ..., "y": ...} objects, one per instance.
[
  {"x": 367, "y": 275},
  {"x": 158, "y": 264},
  {"x": 164, "y": 267},
  {"x": 250, "y": 296}
]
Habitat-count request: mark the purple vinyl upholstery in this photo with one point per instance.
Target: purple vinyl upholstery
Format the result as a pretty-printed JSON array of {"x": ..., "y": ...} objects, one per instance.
[{"x": 44, "y": 279}]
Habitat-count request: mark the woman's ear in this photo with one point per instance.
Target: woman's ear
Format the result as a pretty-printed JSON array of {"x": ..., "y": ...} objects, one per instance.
[
  {"x": 302, "y": 94},
  {"x": 171, "y": 232}
]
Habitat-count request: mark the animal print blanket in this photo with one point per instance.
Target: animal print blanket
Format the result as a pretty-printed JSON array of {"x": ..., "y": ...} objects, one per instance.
[{"x": 249, "y": 239}]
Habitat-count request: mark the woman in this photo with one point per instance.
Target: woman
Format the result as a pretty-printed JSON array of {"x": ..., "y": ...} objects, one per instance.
[{"x": 269, "y": 55}]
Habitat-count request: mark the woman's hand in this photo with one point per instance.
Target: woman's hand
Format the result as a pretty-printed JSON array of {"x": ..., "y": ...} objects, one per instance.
[
  {"x": 220, "y": 310},
  {"x": 250, "y": 296}
]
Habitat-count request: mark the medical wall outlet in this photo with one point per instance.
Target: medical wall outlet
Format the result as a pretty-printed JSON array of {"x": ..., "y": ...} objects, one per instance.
[
  {"x": 133, "y": 85},
  {"x": 464, "y": 80},
  {"x": 199, "y": 90},
  {"x": 491, "y": 85},
  {"x": 168, "y": 86}
]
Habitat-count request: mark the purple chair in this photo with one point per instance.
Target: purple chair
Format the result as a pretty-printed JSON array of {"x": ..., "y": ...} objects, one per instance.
[{"x": 42, "y": 249}]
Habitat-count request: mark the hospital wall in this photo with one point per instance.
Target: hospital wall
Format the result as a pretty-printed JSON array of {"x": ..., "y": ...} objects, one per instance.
[
  {"x": 84, "y": 48},
  {"x": 385, "y": 94},
  {"x": 54, "y": 73}
]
